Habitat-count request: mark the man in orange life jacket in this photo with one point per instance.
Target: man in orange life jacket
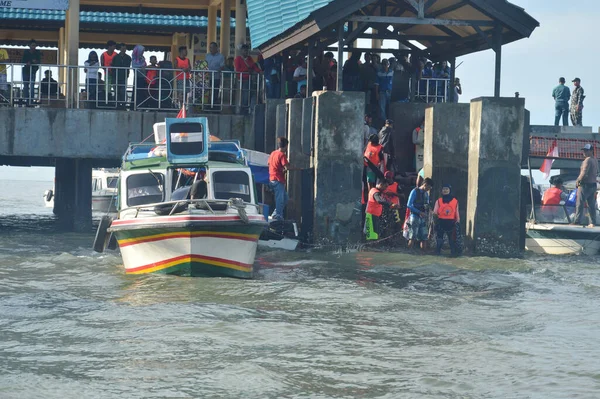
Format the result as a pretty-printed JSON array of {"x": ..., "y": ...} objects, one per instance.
[
  {"x": 552, "y": 198},
  {"x": 373, "y": 160},
  {"x": 106, "y": 61},
  {"x": 375, "y": 204},
  {"x": 182, "y": 77},
  {"x": 446, "y": 213},
  {"x": 392, "y": 217}
]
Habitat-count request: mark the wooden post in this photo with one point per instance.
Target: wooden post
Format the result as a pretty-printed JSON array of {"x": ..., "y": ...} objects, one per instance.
[
  {"x": 498, "y": 50},
  {"x": 72, "y": 53},
  {"x": 212, "y": 25},
  {"x": 240, "y": 25},
  {"x": 310, "y": 64},
  {"x": 225, "y": 27},
  {"x": 451, "y": 95},
  {"x": 340, "y": 57}
]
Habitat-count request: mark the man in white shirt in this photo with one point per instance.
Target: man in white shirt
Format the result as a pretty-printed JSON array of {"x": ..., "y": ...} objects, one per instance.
[
  {"x": 300, "y": 75},
  {"x": 216, "y": 64}
]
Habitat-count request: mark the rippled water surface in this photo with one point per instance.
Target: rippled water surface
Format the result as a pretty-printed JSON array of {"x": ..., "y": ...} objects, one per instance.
[{"x": 312, "y": 325}]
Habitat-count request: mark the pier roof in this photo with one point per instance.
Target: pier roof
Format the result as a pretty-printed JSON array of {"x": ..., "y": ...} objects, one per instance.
[{"x": 439, "y": 29}]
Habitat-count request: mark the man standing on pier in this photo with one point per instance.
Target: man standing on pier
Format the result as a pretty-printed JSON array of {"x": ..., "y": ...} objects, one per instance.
[
  {"x": 586, "y": 186},
  {"x": 561, "y": 95},
  {"x": 278, "y": 166},
  {"x": 577, "y": 103}
]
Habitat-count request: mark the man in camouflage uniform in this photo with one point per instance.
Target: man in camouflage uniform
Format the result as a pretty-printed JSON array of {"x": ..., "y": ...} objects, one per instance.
[{"x": 577, "y": 103}]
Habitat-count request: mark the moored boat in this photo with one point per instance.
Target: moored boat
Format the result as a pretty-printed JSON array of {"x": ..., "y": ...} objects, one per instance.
[{"x": 184, "y": 210}]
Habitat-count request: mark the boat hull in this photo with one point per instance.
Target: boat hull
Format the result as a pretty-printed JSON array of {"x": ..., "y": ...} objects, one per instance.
[
  {"x": 562, "y": 240},
  {"x": 189, "y": 246}
]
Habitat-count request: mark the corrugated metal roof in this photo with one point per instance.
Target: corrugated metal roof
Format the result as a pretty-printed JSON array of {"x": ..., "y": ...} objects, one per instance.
[
  {"x": 122, "y": 18},
  {"x": 269, "y": 18}
]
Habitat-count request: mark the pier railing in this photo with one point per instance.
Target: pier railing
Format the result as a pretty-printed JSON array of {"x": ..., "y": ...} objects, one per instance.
[
  {"x": 149, "y": 88},
  {"x": 433, "y": 90},
  {"x": 566, "y": 148}
]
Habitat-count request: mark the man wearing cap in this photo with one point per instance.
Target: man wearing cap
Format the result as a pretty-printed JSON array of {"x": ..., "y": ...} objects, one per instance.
[
  {"x": 386, "y": 139},
  {"x": 586, "y": 186},
  {"x": 577, "y": 103},
  {"x": 561, "y": 95}
]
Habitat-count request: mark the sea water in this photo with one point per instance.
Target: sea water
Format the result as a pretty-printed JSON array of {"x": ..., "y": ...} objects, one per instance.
[{"x": 311, "y": 325}]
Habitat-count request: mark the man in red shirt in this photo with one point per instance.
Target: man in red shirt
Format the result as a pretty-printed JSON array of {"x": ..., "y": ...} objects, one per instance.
[
  {"x": 245, "y": 66},
  {"x": 278, "y": 166}
]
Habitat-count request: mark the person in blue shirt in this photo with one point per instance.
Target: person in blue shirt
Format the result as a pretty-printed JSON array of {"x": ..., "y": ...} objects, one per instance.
[
  {"x": 418, "y": 206},
  {"x": 561, "y": 95},
  {"x": 383, "y": 88}
]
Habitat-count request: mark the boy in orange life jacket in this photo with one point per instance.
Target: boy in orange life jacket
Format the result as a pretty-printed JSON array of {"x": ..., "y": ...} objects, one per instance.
[
  {"x": 106, "y": 61},
  {"x": 183, "y": 77},
  {"x": 377, "y": 200},
  {"x": 446, "y": 213},
  {"x": 373, "y": 159}
]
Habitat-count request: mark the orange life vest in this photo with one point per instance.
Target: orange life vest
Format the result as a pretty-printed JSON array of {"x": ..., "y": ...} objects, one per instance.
[
  {"x": 372, "y": 153},
  {"x": 107, "y": 59},
  {"x": 552, "y": 196},
  {"x": 182, "y": 64},
  {"x": 447, "y": 211},
  {"x": 374, "y": 207},
  {"x": 392, "y": 188}
]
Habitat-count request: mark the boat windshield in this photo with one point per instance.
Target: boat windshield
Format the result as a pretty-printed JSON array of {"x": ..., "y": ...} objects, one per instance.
[
  {"x": 145, "y": 188},
  {"x": 231, "y": 184},
  {"x": 555, "y": 214}
]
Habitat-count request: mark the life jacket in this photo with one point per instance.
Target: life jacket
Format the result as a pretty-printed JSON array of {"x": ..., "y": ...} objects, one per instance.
[
  {"x": 372, "y": 154},
  {"x": 107, "y": 59},
  {"x": 552, "y": 196},
  {"x": 392, "y": 188},
  {"x": 374, "y": 207},
  {"x": 418, "y": 129},
  {"x": 447, "y": 211},
  {"x": 182, "y": 64},
  {"x": 151, "y": 74}
]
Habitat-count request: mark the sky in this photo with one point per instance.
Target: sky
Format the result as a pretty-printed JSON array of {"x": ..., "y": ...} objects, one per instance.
[{"x": 563, "y": 45}]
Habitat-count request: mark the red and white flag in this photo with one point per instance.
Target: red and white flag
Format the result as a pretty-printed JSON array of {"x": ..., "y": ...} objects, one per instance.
[
  {"x": 182, "y": 113},
  {"x": 547, "y": 165}
]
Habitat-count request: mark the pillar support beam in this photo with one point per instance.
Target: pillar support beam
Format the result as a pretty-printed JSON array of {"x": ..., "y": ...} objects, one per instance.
[
  {"x": 225, "y": 27},
  {"x": 240, "y": 24},
  {"x": 212, "y": 24},
  {"x": 72, "y": 50}
]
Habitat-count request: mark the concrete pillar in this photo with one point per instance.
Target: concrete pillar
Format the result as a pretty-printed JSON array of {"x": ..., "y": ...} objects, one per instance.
[
  {"x": 64, "y": 191},
  {"x": 495, "y": 150},
  {"x": 338, "y": 165},
  {"x": 297, "y": 157},
  {"x": 212, "y": 25},
  {"x": 225, "y": 27},
  {"x": 407, "y": 117},
  {"x": 73, "y": 193},
  {"x": 446, "y": 154},
  {"x": 271, "y": 123},
  {"x": 72, "y": 45},
  {"x": 280, "y": 124},
  {"x": 62, "y": 56},
  {"x": 240, "y": 25},
  {"x": 83, "y": 195}
]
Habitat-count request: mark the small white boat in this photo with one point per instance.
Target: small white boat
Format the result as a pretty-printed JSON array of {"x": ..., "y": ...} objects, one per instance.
[
  {"x": 104, "y": 191},
  {"x": 185, "y": 210},
  {"x": 562, "y": 239}
]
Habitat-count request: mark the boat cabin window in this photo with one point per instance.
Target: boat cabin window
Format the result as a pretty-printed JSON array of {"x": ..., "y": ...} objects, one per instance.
[
  {"x": 97, "y": 185},
  {"x": 145, "y": 188},
  {"x": 186, "y": 138},
  {"x": 231, "y": 184},
  {"x": 111, "y": 182},
  {"x": 555, "y": 214}
]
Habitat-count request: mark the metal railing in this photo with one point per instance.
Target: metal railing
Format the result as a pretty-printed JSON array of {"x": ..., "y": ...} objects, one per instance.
[
  {"x": 143, "y": 89},
  {"x": 433, "y": 90}
]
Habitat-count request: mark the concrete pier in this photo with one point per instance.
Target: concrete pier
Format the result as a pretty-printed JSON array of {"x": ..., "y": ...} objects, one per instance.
[
  {"x": 73, "y": 193},
  {"x": 446, "y": 155},
  {"x": 338, "y": 165},
  {"x": 406, "y": 116},
  {"x": 495, "y": 150},
  {"x": 297, "y": 158},
  {"x": 271, "y": 123}
]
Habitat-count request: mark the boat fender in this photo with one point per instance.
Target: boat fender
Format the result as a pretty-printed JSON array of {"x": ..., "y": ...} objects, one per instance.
[
  {"x": 102, "y": 234},
  {"x": 112, "y": 242},
  {"x": 48, "y": 195},
  {"x": 238, "y": 204}
]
